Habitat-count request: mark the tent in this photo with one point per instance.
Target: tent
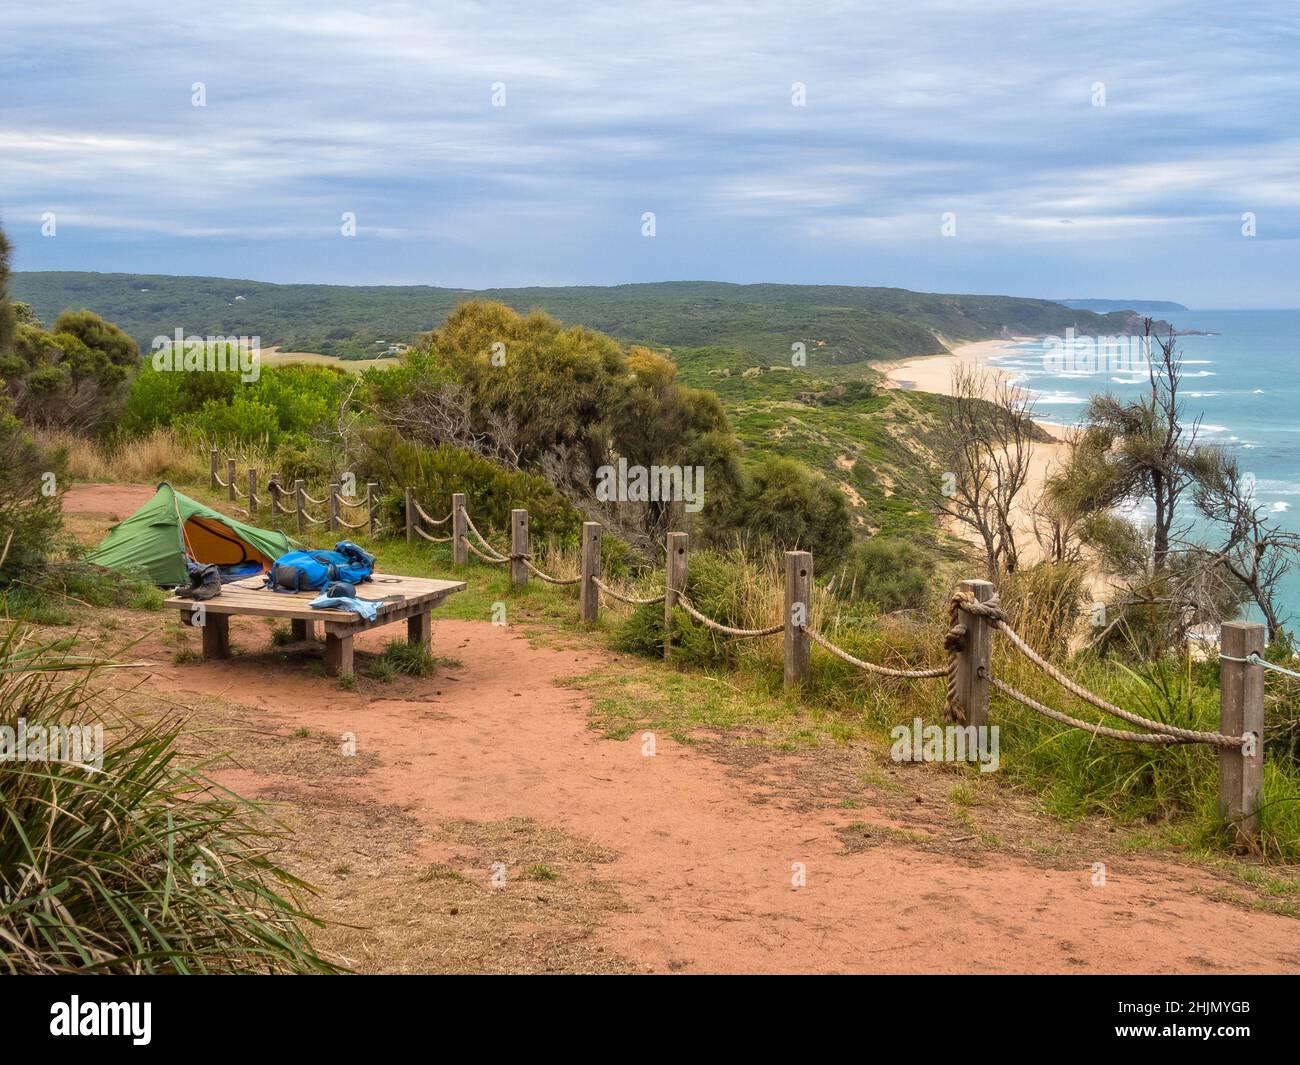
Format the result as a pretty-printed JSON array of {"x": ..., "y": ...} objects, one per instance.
[{"x": 158, "y": 537}]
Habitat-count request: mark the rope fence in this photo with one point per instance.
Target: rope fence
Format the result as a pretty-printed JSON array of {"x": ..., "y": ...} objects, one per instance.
[
  {"x": 975, "y": 616},
  {"x": 334, "y": 500}
]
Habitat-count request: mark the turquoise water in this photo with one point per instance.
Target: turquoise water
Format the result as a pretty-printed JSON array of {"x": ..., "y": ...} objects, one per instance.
[{"x": 1244, "y": 383}]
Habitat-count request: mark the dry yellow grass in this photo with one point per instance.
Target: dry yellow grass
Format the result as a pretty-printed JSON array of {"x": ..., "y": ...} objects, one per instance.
[
  {"x": 273, "y": 356},
  {"x": 161, "y": 455}
]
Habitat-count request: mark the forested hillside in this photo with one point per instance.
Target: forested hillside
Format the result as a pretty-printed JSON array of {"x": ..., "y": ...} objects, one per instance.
[{"x": 839, "y": 324}]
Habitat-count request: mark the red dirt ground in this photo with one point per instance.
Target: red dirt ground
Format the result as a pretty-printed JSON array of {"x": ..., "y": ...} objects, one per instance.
[
  {"x": 114, "y": 501},
  {"x": 704, "y": 859}
]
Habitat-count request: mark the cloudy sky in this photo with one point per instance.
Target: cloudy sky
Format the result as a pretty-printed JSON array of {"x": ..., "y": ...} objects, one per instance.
[{"x": 1104, "y": 150}]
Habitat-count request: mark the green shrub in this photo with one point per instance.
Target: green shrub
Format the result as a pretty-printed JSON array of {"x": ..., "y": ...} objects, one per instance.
[
  {"x": 845, "y": 394},
  {"x": 641, "y": 632},
  {"x": 102, "y": 587},
  {"x": 283, "y": 406},
  {"x": 886, "y": 575},
  {"x": 435, "y": 473},
  {"x": 9, "y": 314},
  {"x": 787, "y": 506},
  {"x": 153, "y": 401},
  {"x": 29, "y": 518},
  {"x": 244, "y": 420},
  {"x": 50, "y": 595},
  {"x": 729, "y": 587},
  {"x": 567, "y": 400},
  {"x": 72, "y": 377}
]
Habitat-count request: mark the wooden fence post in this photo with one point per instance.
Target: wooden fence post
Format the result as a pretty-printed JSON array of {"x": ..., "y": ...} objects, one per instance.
[
  {"x": 590, "y": 594},
  {"x": 371, "y": 486},
  {"x": 273, "y": 489},
  {"x": 252, "y": 491},
  {"x": 232, "y": 487},
  {"x": 1241, "y": 713},
  {"x": 677, "y": 550},
  {"x": 459, "y": 548},
  {"x": 334, "y": 506},
  {"x": 973, "y": 659},
  {"x": 299, "y": 490},
  {"x": 798, "y": 612},
  {"x": 518, "y": 547},
  {"x": 214, "y": 480},
  {"x": 410, "y": 517}
]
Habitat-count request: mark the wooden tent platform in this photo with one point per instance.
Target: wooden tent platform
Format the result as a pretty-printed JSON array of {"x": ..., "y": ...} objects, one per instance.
[{"x": 411, "y": 599}]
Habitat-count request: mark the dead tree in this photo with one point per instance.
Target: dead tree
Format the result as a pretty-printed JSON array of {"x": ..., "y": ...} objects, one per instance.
[
  {"x": 1255, "y": 551},
  {"x": 986, "y": 442}
]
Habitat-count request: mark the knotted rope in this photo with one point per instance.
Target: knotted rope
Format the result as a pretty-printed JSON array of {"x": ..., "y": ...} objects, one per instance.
[
  {"x": 497, "y": 557},
  {"x": 1095, "y": 729},
  {"x": 500, "y": 557}
]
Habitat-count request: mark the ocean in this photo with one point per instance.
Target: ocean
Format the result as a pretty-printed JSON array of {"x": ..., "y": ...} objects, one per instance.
[{"x": 1243, "y": 382}]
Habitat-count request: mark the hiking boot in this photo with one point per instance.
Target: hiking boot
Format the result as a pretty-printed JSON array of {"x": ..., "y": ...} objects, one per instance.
[{"x": 205, "y": 583}]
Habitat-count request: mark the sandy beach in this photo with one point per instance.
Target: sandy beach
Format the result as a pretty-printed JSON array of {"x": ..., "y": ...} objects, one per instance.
[{"x": 933, "y": 373}]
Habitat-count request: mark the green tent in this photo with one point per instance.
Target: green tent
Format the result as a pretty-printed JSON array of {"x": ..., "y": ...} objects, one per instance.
[{"x": 158, "y": 536}]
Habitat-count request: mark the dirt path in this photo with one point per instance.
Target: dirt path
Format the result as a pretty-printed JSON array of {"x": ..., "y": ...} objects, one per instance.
[{"x": 703, "y": 859}]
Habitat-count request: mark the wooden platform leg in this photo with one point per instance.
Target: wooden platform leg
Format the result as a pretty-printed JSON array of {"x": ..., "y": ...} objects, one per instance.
[
  {"x": 338, "y": 655},
  {"x": 302, "y": 630},
  {"x": 216, "y": 635},
  {"x": 419, "y": 630}
]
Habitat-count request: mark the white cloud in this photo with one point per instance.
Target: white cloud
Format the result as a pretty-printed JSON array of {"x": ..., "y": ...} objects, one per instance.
[{"x": 985, "y": 110}]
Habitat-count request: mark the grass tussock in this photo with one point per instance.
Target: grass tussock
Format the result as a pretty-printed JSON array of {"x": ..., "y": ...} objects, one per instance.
[
  {"x": 137, "y": 865},
  {"x": 400, "y": 658}
]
